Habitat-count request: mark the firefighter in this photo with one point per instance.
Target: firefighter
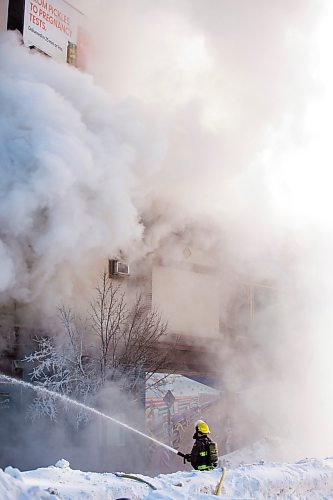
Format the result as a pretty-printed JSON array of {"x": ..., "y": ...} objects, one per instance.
[{"x": 204, "y": 454}]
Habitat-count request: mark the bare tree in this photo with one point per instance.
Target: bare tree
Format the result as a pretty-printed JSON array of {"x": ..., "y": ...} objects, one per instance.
[
  {"x": 117, "y": 342},
  {"x": 128, "y": 336},
  {"x": 107, "y": 319}
]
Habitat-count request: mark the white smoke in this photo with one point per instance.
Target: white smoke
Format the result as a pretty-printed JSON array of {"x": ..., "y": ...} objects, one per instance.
[
  {"x": 211, "y": 115},
  {"x": 65, "y": 176}
]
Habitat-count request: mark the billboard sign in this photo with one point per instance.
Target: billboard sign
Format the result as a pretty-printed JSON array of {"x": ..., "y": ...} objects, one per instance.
[{"x": 52, "y": 27}]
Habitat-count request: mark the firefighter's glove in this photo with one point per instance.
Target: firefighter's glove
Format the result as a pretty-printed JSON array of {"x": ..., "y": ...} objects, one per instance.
[{"x": 187, "y": 458}]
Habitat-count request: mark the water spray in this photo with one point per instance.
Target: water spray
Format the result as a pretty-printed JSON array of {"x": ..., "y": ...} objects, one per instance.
[{"x": 66, "y": 399}]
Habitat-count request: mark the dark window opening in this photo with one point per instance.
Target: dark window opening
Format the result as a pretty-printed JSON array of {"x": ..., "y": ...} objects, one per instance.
[{"x": 15, "y": 15}]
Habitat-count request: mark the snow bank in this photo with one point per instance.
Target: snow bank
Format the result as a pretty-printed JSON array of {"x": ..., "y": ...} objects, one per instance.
[
  {"x": 14, "y": 487},
  {"x": 306, "y": 479},
  {"x": 266, "y": 449}
]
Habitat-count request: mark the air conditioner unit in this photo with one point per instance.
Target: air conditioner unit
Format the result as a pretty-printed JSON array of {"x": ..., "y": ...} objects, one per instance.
[{"x": 117, "y": 268}]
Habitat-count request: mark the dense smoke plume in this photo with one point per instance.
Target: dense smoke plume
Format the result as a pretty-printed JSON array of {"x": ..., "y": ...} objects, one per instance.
[{"x": 191, "y": 115}]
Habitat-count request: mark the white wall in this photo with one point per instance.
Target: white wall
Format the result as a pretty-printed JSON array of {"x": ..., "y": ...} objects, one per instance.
[{"x": 188, "y": 299}]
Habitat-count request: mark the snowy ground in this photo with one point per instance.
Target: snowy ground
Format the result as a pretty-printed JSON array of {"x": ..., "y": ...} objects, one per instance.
[{"x": 306, "y": 479}]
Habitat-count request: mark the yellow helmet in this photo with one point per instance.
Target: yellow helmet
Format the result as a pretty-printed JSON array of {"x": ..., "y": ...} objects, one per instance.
[{"x": 202, "y": 427}]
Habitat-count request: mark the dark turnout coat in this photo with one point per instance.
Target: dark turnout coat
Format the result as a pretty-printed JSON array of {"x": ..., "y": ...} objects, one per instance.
[{"x": 200, "y": 457}]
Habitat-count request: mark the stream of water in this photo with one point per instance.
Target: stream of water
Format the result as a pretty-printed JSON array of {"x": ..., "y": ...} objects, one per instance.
[{"x": 66, "y": 399}]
